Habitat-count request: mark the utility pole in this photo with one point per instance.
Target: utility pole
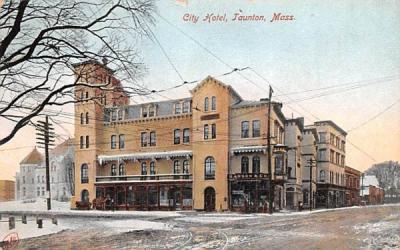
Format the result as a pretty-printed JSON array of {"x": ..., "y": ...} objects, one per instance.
[
  {"x": 311, "y": 165},
  {"x": 271, "y": 188},
  {"x": 45, "y": 138},
  {"x": 362, "y": 188}
]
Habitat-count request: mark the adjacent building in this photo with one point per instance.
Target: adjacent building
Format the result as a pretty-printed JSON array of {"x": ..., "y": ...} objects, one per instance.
[
  {"x": 7, "y": 190},
  {"x": 331, "y": 157},
  {"x": 31, "y": 179},
  {"x": 352, "y": 177},
  {"x": 309, "y": 151}
]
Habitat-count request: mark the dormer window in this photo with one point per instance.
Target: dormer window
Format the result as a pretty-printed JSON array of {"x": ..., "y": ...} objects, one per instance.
[
  {"x": 120, "y": 115},
  {"x": 152, "y": 111},
  {"x": 177, "y": 108},
  {"x": 144, "y": 112},
  {"x": 186, "y": 107}
]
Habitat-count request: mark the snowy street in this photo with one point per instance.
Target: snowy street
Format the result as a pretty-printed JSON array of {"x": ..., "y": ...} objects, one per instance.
[{"x": 374, "y": 227}]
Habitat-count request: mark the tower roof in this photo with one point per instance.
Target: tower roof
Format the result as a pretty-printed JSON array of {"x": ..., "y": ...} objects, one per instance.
[{"x": 34, "y": 157}]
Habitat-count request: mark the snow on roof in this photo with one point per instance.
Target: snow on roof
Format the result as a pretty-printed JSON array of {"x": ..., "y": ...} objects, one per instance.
[
  {"x": 371, "y": 180},
  {"x": 145, "y": 155}
]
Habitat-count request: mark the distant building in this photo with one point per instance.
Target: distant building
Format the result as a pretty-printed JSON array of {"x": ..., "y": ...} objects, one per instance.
[
  {"x": 352, "y": 186},
  {"x": 371, "y": 193},
  {"x": 7, "y": 190},
  {"x": 31, "y": 179}
]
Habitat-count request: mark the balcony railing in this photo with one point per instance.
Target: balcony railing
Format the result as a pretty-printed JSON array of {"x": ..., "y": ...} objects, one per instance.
[
  {"x": 144, "y": 178},
  {"x": 248, "y": 176}
]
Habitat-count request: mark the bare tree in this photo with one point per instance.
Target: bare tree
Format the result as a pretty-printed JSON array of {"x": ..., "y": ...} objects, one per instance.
[{"x": 41, "y": 40}]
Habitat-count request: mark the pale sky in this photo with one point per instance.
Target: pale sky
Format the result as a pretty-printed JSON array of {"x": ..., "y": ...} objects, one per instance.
[{"x": 330, "y": 43}]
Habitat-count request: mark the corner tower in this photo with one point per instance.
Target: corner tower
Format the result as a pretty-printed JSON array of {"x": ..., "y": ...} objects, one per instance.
[{"x": 96, "y": 88}]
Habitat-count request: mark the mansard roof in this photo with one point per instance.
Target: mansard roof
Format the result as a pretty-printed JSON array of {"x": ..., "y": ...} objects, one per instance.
[{"x": 34, "y": 157}]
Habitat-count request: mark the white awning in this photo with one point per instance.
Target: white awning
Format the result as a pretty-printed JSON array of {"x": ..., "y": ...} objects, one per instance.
[
  {"x": 144, "y": 155},
  {"x": 249, "y": 149}
]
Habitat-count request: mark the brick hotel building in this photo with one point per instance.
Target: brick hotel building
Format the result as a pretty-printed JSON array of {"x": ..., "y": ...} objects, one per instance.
[{"x": 207, "y": 152}]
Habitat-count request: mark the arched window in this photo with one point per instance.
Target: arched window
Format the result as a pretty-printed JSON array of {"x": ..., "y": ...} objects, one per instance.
[
  {"x": 81, "y": 118},
  {"x": 84, "y": 173},
  {"x": 213, "y": 103},
  {"x": 176, "y": 169},
  {"x": 206, "y": 104},
  {"x": 87, "y": 118},
  {"x": 87, "y": 141},
  {"x": 152, "y": 168},
  {"x": 121, "y": 169},
  {"x": 85, "y": 195},
  {"x": 113, "y": 170},
  {"x": 144, "y": 168},
  {"x": 209, "y": 168},
  {"x": 245, "y": 165},
  {"x": 185, "y": 167},
  {"x": 205, "y": 131},
  {"x": 256, "y": 165},
  {"x": 322, "y": 175}
]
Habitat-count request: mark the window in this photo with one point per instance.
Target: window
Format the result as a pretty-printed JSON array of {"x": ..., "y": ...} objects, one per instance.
[
  {"x": 322, "y": 176},
  {"x": 143, "y": 139},
  {"x": 113, "y": 170},
  {"x": 337, "y": 160},
  {"x": 87, "y": 141},
  {"x": 113, "y": 115},
  {"x": 206, "y": 104},
  {"x": 84, "y": 173},
  {"x": 256, "y": 165},
  {"x": 81, "y": 118},
  {"x": 177, "y": 136},
  {"x": 33, "y": 180},
  {"x": 245, "y": 165},
  {"x": 213, "y": 103},
  {"x": 152, "y": 111},
  {"x": 121, "y": 141},
  {"x": 144, "y": 168},
  {"x": 332, "y": 156},
  {"x": 152, "y": 138},
  {"x": 209, "y": 168},
  {"x": 185, "y": 167},
  {"x": 177, "y": 108},
  {"x": 42, "y": 178},
  {"x": 81, "y": 142},
  {"x": 322, "y": 155},
  {"x": 279, "y": 164},
  {"x": 342, "y": 161},
  {"x": 38, "y": 179},
  {"x": 121, "y": 169},
  {"x": 38, "y": 191},
  {"x": 87, "y": 117},
  {"x": 245, "y": 129},
  {"x": 206, "y": 132},
  {"x": 186, "y": 107},
  {"x": 24, "y": 191},
  {"x": 213, "y": 131},
  {"x": 87, "y": 95},
  {"x": 256, "y": 128},
  {"x": 113, "y": 142},
  {"x": 322, "y": 137},
  {"x": 186, "y": 135},
  {"x": 23, "y": 179},
  {"x": 42, "y": 191},
  {"x": 337, "y": 142},
  {"x": 332, "y": 139},
  {"x": 176, "y": 167},
  {"x": 82, "y": 97},
  {"x": 152, "y": 168},
  {"x": 343, "y": 145},
  {"x": 144, "y": 112},
  {"x": 119, "y": 114}
]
